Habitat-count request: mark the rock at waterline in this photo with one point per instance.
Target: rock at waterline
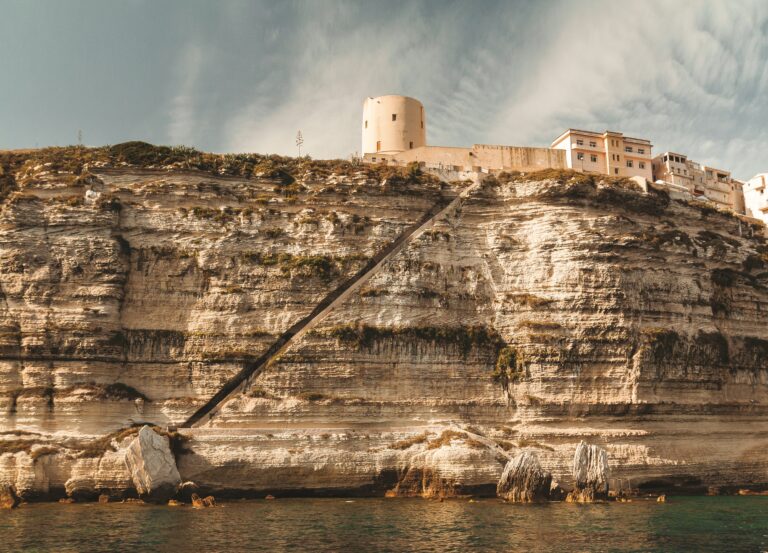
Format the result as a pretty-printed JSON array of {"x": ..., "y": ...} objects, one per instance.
[
  {"x": 186, "y": 491},
  {"x": 556, "y": 492},
  {"x": 152, "y": 466},
  {"x": 590, "y": 473},
  {"x": 523, "y": 480},
  {"x": 199, "y": 503},
  {"x": 8, "y": 497}
]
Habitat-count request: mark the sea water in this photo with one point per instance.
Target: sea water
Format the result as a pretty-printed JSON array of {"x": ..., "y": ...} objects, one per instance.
[{"x": 728, "y": 524}]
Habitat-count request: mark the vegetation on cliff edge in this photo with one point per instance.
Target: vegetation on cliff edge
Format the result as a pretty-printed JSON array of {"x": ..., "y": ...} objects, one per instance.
[{"x": 75, "y": 160}]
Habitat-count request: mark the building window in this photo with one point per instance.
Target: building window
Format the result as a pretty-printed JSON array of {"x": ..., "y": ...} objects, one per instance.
[
  {"x": 593, "y": 144},
  {"x": 422, "y": 124},
  {"x": 366, "y": 124},
  {"x": 641, "y": 164},
  {"x": 627, "y": 148},
  {"x": 641, "y": 150},
  {"x": 394, "y": 117},
  {"x": 410, "y": 145},
  {"x": 580, "y": 156},
  {"x": 616, "y": 171},
  {"x": 593, "y": 158},
  {"x": 378, "y": 145},
  {"x": 629, "y": 163},
  {"x": 579, "y": 142}
]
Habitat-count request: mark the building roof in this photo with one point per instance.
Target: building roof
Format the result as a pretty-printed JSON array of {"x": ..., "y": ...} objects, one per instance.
[
  {"x": 637, "y": 140},
  {"x": 599, "y": 135},
  {"x": 668, "y": 153},
  {"x": 391, "y": 96},
  {"x": 710, "y": 168}
]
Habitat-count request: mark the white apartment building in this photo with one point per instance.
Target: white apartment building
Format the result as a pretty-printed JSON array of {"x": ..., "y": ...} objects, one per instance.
[
  {"x": 701, "y": 181},
  {"x": 609, "y": 153},
  {"x": 756, "y": 197}
]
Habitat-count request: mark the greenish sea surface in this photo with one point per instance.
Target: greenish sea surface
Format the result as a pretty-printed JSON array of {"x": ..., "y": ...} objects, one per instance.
[{"x": 731, "y": 524}]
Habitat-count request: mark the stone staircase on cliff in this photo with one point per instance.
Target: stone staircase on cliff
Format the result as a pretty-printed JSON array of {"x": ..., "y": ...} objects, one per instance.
[{"x": 253, "y": 369}]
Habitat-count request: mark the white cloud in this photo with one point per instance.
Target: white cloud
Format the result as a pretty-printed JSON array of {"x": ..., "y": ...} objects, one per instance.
[
  {"x": 691, "y": 76},
  {"x": 343, "y": 59},
  {"x": 688, "y": 77}
]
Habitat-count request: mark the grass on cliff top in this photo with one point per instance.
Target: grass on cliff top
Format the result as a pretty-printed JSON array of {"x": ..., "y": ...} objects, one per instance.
[
  {"x": 597, "y": 189},
  {"x": 563, "y": 176},
  {"x": 73, "y": 160},
  {"x": 707, "y": 210}
]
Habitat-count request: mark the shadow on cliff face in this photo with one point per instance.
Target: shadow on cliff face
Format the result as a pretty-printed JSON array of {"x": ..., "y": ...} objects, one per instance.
[{"x": 597, "y": 190}]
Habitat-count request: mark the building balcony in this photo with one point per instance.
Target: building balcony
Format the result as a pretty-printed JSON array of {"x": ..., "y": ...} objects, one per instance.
[{"x": 719, "y": 186}]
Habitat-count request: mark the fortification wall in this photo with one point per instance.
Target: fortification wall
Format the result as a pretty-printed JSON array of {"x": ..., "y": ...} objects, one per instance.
[
  {"x": 518, "y": 158},
  {"x": 478, "y": 158}
]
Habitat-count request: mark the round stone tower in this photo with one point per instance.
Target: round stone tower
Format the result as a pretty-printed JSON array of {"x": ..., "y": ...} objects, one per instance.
[{"x": 393, "y": 124}]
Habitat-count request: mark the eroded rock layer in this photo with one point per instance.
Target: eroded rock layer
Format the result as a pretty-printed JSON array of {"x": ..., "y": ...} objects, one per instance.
[{"x": 543, "y": 311}]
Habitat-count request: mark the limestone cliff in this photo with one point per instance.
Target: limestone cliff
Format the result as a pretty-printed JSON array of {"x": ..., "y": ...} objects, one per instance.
[{"x": 544, "y": 310}]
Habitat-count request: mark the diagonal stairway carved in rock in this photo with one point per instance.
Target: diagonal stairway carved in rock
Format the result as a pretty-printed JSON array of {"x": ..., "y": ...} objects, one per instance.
[{"x": 252, "y": 369}]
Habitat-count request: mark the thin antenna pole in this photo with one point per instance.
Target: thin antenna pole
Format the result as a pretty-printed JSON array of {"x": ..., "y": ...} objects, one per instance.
[{"x": 299, "y": 141}]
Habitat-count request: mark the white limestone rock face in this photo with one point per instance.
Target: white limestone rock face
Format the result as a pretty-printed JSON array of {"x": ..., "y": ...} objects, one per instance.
[
  {"x": 590, "y": 473},
  {"x": 152, "y": 466},
  {"x": 523, "y": 480},
  {"x": 539, "y": 314}
]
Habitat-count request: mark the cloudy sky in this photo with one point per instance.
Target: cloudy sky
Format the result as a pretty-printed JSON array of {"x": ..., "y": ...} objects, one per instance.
[{"x": 243, "y": 75}]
